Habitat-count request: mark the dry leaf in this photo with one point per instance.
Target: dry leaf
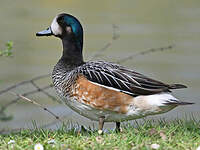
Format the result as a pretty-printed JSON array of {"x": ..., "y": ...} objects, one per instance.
[
  {"x": 99, "y": 139},
  {"x": 153, "y": 131},
  {"x": 163, "y": 136}
]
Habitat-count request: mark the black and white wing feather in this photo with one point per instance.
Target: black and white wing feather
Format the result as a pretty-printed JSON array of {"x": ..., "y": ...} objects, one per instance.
[{"x": 122, "y": 79}]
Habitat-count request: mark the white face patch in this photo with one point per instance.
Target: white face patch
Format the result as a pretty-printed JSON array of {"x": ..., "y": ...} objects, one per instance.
[{"x": 55, "y": 28}]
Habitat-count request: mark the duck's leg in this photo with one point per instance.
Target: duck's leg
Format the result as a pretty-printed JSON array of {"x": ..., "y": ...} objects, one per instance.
[
  {"x": 101, "y": 123},
  {"x": 117, "y": 127}
]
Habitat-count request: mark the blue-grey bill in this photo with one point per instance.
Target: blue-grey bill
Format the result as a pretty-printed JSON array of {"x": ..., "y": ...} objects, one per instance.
[{"x": 46, "y": 32}]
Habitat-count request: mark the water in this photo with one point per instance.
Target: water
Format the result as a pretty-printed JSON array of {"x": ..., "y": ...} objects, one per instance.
[{"x": 142, "y": 25}]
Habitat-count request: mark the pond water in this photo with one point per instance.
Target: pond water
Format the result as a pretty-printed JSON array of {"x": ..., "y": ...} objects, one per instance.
[{"x": 141, "y": 25}]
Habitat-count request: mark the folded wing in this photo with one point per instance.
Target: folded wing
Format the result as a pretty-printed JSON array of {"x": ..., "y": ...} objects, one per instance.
[{"x": 122, "y": 79}]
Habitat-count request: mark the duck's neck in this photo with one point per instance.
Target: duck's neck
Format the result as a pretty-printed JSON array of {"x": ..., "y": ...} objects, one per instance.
[{"x": 72, "y": 52}]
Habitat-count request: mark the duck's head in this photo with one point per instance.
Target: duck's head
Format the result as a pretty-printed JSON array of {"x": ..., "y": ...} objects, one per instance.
[{"x": 66, "y": 27}]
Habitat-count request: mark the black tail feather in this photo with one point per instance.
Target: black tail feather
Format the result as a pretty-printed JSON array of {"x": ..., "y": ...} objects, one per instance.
[
  {"x": 177, "y": 86},
  {"x": 185, "y": 103},
  {"x": 178, "y": 103}
]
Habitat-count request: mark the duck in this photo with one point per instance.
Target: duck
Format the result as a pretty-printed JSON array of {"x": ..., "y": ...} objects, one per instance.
[{"x": 104, "y": 91}]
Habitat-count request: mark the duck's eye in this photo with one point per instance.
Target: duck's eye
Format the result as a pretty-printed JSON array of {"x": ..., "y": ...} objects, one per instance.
[{"x": 60, "y": 20}]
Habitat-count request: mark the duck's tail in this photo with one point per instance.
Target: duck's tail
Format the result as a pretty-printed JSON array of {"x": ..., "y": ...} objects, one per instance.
[
  {"x": 164, "y": 99},
  {"x": 175, "y": 102},
  {"x": 158, "y": 103},
  {"x": 177, "y": 86}
]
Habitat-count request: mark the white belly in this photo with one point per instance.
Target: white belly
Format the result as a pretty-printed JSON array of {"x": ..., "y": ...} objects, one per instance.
[
  {"x": 94, "y": 114},
  {"x": 110, "y": 116}
]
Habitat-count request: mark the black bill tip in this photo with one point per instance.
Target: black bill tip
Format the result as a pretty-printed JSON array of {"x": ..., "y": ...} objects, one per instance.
[{"x": 46, "y": 32}]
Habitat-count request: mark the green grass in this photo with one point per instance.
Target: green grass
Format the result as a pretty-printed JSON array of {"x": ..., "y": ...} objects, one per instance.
[{"x": 176, "y": 134}]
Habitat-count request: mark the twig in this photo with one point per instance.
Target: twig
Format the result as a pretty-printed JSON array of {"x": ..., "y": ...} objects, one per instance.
[
  {"x": 8, "y": 51},
  {"x": 144, "y": 52},
  {"x": 115, "y": 36},
  {"x": 25, "y": 94},
  {"x": 22, "y": 83},
  {"x": 35, "y": 103},
  {"x": 42, "y": 90}
]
